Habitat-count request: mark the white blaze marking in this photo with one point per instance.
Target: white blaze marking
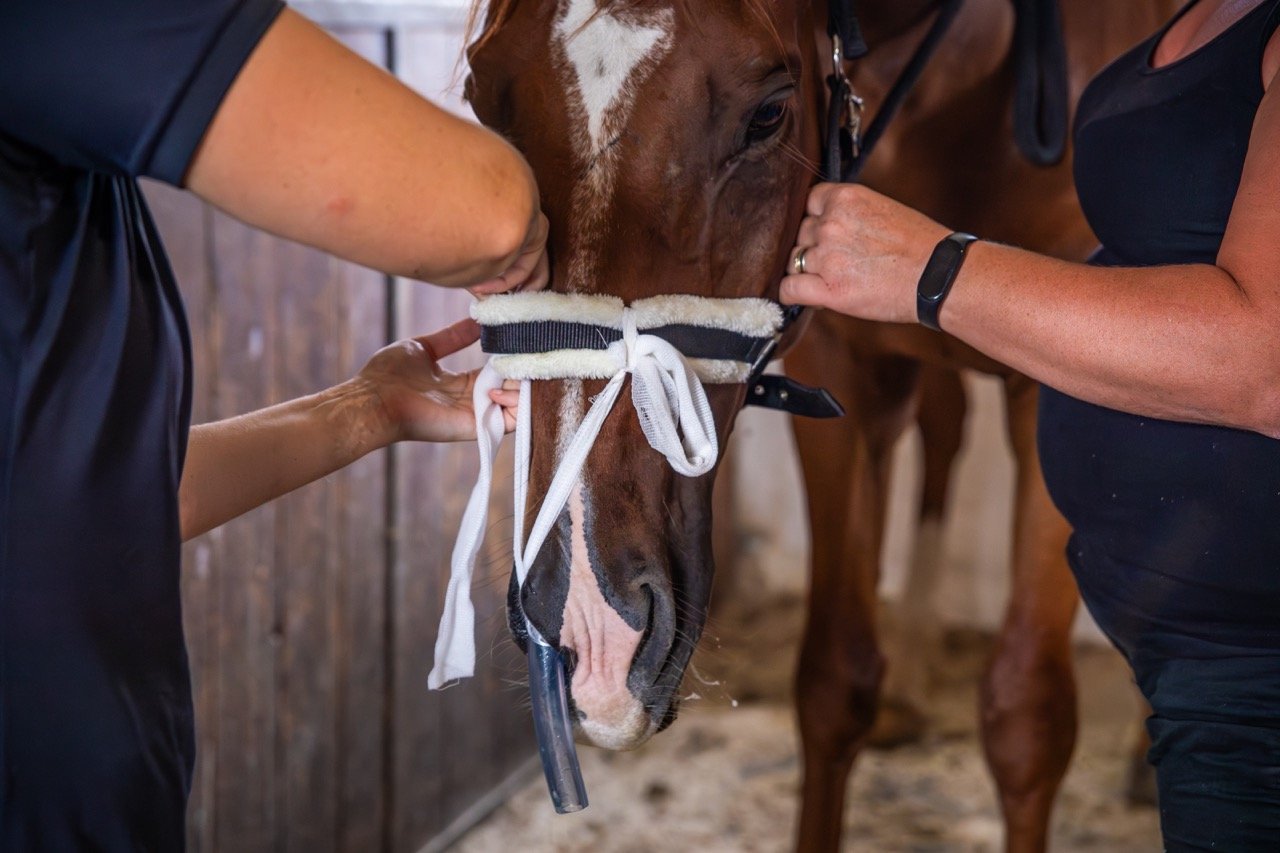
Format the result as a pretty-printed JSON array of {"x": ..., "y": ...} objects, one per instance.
[
  {"x": 606, "y": 58},
  {"x": 605, "y": 52},
  {"x": 569, "y": 416}
]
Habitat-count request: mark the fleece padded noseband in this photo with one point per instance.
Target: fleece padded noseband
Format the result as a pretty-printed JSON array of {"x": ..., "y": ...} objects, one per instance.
[
  {"x": 576, "y": 336},
  {"x": 668, "y": 345}
]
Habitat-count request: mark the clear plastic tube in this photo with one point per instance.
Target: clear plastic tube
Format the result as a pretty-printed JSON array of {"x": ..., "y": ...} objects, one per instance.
[{"x": 553, "y": 727}]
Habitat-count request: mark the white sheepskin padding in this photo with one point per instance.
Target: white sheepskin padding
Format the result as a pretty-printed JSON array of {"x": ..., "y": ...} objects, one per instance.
[
  {"x": 590, "y": 308},
  {"x": 755, "y": 318},
  {"x": 558, "y": 364},
  {"x": 601, "y": 364},
  {"x": 716, "y": 371}
]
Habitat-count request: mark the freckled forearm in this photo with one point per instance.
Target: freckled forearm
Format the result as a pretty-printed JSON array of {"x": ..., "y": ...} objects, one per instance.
[
  {"x": 1178, "y": 342},
  {"x": 315, "y": 144},
  {"x": 238, "y": 464}
]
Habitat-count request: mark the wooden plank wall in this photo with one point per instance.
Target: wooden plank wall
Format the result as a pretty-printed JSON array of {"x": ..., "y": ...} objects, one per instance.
[{"x": 311, "y": 621}]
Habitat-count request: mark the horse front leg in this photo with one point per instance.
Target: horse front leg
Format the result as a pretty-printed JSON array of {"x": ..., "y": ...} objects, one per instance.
[
  {"x": 912, "y": 637},
  {"x": 1028, "y": 693},
  {"x": 846, "y": 468}
]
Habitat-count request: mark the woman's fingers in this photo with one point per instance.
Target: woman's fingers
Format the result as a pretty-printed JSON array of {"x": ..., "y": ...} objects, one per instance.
[
  {"x": 508, "y": 399},
  {"x": 807, "y": 289},
  {"x": 820, "y": 196},
  {"x": 541, "y": 276},
  {"x": 451, "y": 339},
  {"x": 529, "y": 271},
  {"x": 503, "y": 397},
  {"x": 808, "y": 234}
]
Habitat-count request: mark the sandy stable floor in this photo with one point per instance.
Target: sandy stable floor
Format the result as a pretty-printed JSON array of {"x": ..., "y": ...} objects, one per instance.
[{"x": 725, "y": 777}]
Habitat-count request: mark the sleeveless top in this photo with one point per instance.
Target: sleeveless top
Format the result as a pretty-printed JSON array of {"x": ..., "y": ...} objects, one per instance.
[
  {"x": 1176, "y": 547},
  {"x": 1185, "y": 517}
]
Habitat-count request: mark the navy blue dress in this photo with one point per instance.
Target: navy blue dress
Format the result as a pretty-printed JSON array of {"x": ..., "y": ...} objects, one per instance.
[
  {"x": 1177, "y": 526},
  {"x": 96, "y": 737}
]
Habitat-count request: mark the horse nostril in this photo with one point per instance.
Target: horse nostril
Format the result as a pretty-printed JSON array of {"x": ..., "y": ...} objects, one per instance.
[
  {"x": 649, "y": 609},
  {"x": 656, "y": 640}
]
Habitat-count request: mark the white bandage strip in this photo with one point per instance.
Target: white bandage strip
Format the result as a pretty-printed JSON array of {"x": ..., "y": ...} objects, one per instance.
[{"x": 677, "y": 422}]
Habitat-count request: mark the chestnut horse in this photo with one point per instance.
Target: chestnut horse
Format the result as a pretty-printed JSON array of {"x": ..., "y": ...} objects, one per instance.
[{"x": 675, "y": 143}]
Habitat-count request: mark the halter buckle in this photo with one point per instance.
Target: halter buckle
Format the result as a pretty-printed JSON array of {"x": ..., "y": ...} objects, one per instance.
[{"x": 853, "y": 103}]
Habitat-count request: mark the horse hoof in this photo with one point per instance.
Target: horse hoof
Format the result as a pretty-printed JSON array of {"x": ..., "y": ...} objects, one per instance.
[{"x": 898, "y": 723}]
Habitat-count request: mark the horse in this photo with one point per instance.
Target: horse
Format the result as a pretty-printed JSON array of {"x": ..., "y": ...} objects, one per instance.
[{"x": 675, "y": 143}]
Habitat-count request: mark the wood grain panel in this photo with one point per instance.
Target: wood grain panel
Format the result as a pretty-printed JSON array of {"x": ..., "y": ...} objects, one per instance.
[
  {"x": 362, "y": 527},
  {"x": 248, "y": 618}
]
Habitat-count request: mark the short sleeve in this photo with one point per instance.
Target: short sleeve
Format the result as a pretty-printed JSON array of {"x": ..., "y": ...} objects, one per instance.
[{"x": 122, "y": 86}]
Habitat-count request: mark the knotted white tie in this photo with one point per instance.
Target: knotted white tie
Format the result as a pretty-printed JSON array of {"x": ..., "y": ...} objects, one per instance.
[{"x": 677, "y": 422}]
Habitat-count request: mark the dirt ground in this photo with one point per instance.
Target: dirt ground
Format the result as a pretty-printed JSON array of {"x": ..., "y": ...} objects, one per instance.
[{"x": 725, "y": 777}]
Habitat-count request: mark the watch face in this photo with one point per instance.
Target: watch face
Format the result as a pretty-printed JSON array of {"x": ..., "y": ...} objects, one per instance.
[{"x": 940, "y": 269}]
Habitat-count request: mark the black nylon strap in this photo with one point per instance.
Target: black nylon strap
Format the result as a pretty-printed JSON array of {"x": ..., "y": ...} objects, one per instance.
[
  {"x": 853, "y": 164},
  {"x": 787, "y": 395},
  {"x": 1041, "y": 96},
  {"x": 1040, "y": 104},
  {"x": 836, "y": 151},
  {"x": 547, "y": 335},
  {"x": 842, "y": 21}
]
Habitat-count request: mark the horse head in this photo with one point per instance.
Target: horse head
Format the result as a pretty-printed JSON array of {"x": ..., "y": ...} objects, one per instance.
[{"x": 674, "y": 143}]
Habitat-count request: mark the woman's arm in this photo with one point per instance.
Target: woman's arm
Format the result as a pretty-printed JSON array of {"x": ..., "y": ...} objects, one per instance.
[
  {"x": 235, "y": 465},
  {"x": 1193, "y": 343},
  {"x": 315, "y": 144}
]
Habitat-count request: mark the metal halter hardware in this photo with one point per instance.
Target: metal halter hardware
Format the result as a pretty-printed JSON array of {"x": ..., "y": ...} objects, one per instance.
[
  {"x": 1040, "y": 106},
  {"x": 775, "y": 391},
  {"x": 853, "y": 104},
  {"x": 847, "y": 146}
]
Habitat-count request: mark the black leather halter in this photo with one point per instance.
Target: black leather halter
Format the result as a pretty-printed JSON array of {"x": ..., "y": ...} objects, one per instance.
[
  {"x": 775, "y": 391},
  {"x": 1040, "y": 104}
]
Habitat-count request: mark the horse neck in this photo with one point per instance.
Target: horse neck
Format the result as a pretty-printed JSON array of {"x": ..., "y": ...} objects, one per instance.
[{"x": 881, "y": 20}]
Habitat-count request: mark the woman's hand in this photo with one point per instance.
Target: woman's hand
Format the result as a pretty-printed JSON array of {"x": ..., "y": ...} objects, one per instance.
[
  {"x": 421, "y": 401},
  {"x": 528, "y": 272},
  {"x": 863, "y": 254},
  {"x": 240, "y": 463}
]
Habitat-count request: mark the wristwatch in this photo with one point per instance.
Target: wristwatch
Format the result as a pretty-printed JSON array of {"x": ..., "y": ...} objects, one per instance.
[{"x": 938, "y": 276}]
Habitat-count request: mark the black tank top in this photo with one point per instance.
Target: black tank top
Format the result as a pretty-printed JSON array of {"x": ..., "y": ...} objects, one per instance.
[{"x": 1177, "y": 525}]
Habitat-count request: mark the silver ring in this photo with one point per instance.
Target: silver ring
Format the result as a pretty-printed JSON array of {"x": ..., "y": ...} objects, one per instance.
[{"x": 797, "y": 263}]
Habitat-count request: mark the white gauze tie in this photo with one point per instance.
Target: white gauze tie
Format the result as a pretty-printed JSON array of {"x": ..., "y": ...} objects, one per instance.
[{"x": 677, "y": 422}]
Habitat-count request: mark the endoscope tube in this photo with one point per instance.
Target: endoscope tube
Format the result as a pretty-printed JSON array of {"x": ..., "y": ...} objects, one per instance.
[{"x": 554, "y": 728}]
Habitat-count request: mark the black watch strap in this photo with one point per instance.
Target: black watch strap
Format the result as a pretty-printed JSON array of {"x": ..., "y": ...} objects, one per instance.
[{"x": 938, "y": 276}]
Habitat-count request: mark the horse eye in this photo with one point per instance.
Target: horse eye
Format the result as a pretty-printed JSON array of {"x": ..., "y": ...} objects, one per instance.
[{"x": 766, "y": 121}]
